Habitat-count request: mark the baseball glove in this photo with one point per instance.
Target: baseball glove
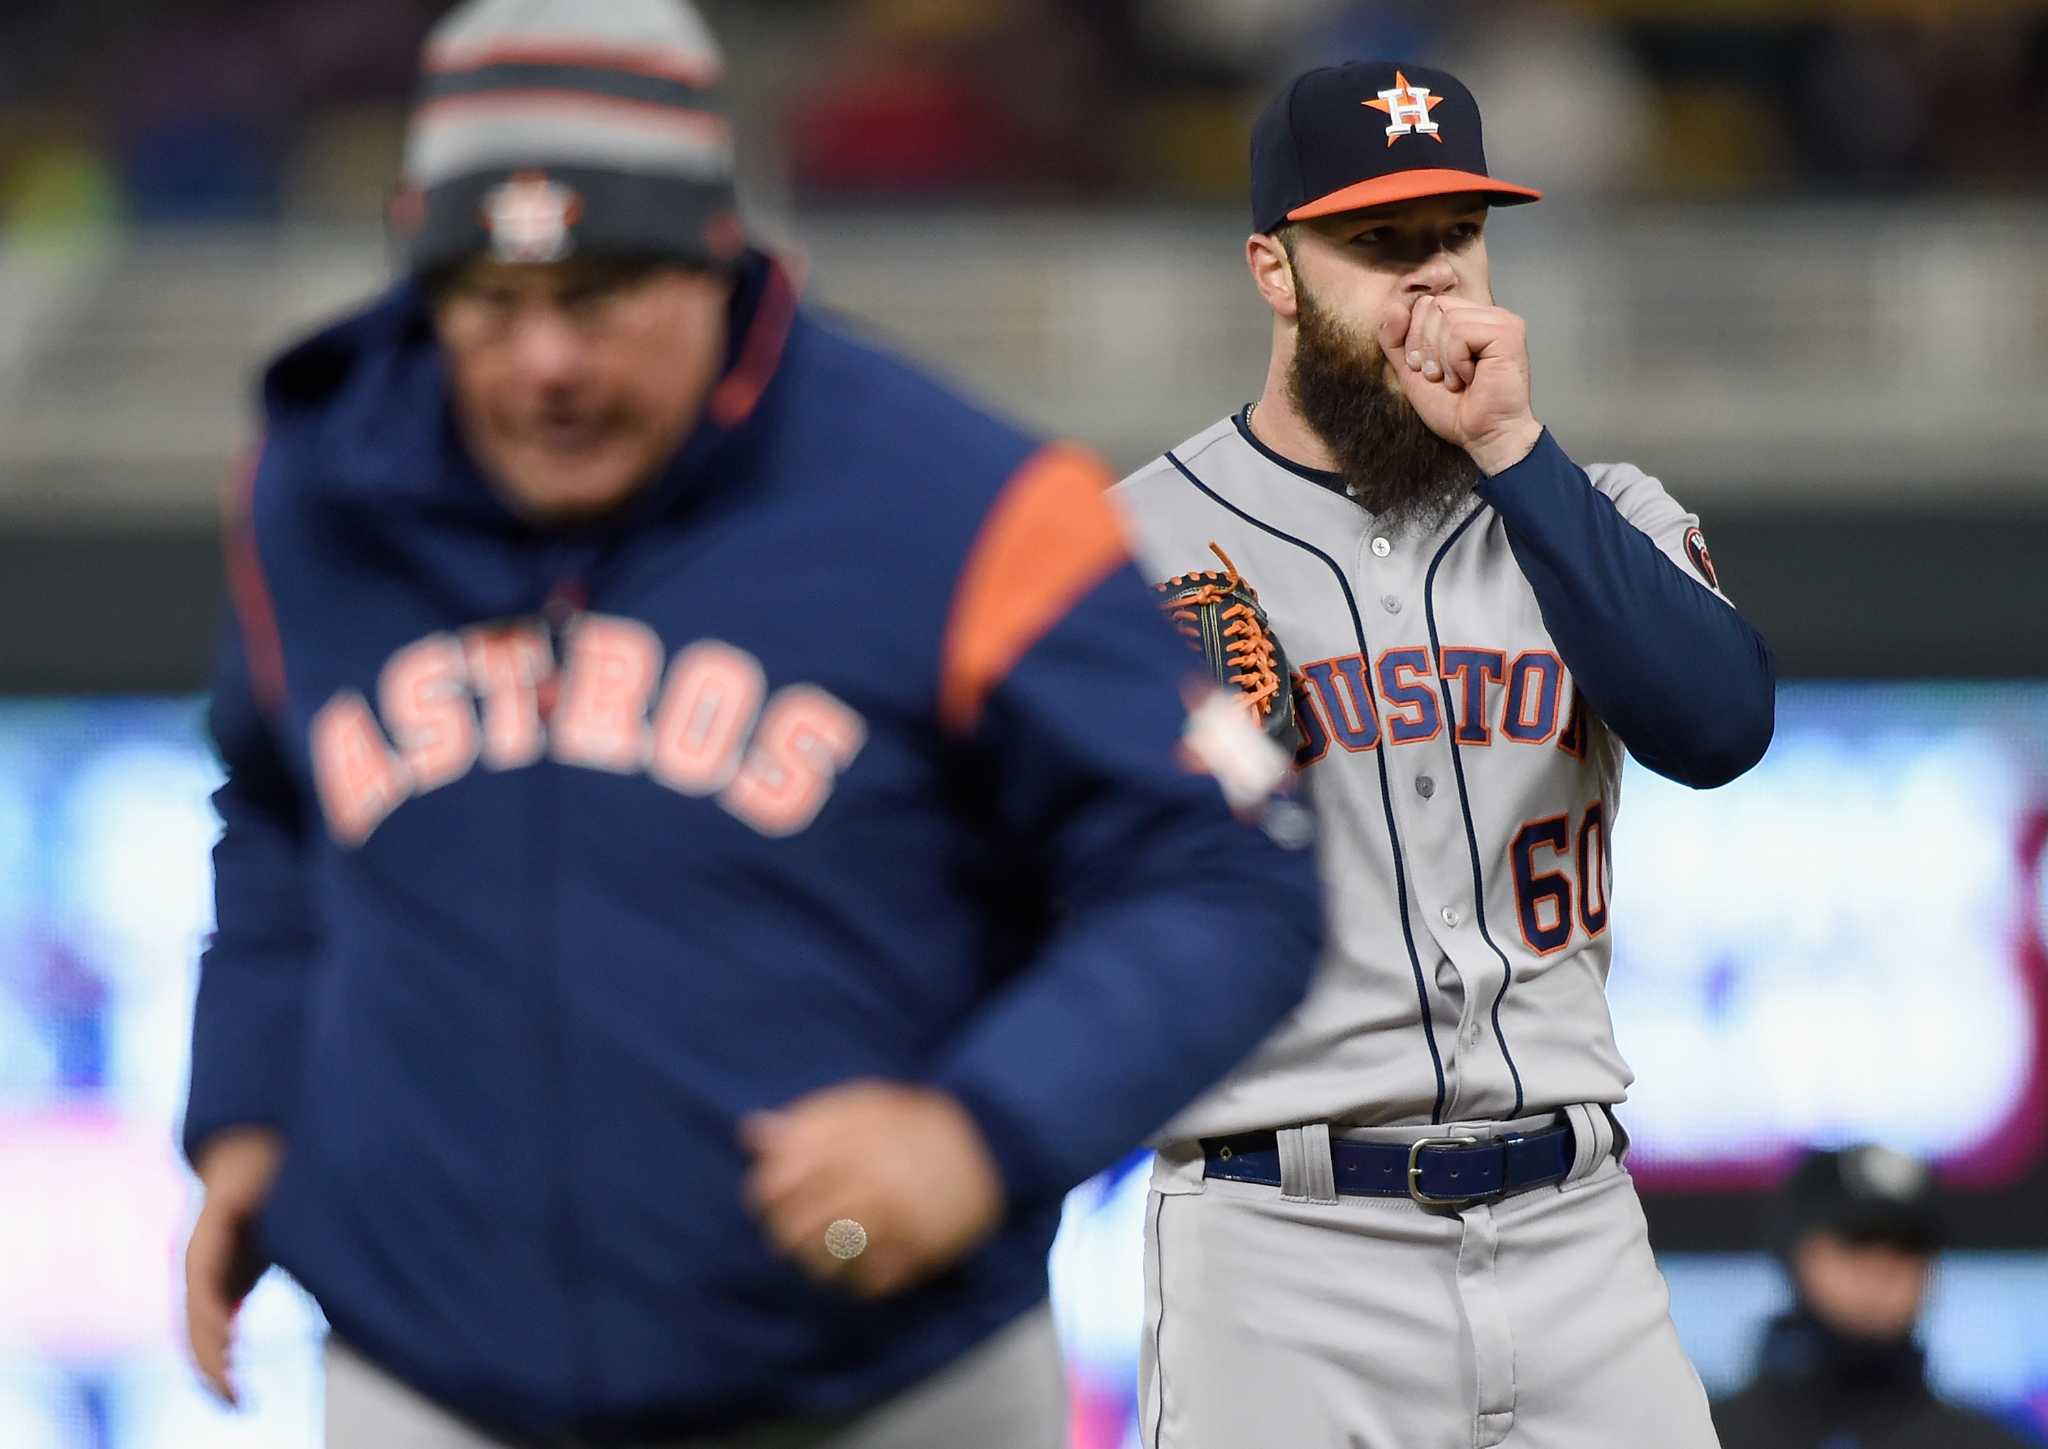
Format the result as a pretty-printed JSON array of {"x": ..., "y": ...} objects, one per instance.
[{"x": 1219, "y": 614}]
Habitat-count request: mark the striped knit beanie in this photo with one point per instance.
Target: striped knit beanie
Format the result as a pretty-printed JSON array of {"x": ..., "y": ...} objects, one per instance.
[{"x": 556, "y": 128}]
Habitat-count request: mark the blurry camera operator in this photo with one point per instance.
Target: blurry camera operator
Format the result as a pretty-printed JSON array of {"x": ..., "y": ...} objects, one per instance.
[{"x": 1857, "y": 1230}]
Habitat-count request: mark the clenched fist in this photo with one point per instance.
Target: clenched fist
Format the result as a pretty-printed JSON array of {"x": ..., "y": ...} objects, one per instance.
[
  {"x": 1465, "y": 367},
  {"x": 907, "y": 1163}
]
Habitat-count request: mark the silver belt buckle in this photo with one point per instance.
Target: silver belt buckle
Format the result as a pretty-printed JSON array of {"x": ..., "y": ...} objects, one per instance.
[{"x": 1415, "y": 1172}]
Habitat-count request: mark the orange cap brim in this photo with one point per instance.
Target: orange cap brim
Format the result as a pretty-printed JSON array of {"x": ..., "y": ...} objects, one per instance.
[{"x": 1411, "y": 186}]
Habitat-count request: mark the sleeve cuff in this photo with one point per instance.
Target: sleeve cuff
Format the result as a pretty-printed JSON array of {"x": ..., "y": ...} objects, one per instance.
[
  {"x": 1548, "y": 467},
  {"x": 1028, "y": 1171}
]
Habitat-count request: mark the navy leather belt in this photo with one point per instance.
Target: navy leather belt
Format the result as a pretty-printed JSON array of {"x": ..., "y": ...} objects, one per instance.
[{"x": 1448, "y": 1171}]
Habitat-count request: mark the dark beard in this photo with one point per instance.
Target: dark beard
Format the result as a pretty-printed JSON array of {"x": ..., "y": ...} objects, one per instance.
[{"x": 1398, "y": 469}]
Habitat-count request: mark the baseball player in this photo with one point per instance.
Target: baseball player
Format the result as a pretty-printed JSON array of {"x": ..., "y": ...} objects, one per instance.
[
  {"x": 703, "y": 874},
  {"x": 1404, "y": 1224}
]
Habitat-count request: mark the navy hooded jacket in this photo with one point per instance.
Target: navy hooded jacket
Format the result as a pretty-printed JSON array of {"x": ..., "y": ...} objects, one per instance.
[{"x": 849, "y": 748}]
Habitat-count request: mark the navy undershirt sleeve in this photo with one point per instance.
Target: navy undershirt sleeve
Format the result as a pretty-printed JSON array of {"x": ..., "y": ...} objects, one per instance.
[{"x": 1683, "y": 679}]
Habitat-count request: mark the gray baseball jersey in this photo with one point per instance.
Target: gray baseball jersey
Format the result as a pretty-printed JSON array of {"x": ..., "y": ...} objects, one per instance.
[{"x": 1465, "y": 795}]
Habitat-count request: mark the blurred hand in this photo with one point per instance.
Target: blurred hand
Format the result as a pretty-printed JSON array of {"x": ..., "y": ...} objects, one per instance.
[
  {"x": 906, "y": 1163},
  {"x": 1465, "y": 367},
  {"x": 237, "y": 1168}
]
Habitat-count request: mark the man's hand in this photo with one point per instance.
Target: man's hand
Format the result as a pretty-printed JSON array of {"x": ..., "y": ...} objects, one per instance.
[
  {"x": 237, "y": 1168},
  {"x": 1465, "y": 367},
  {"x": 906, "y": 1163}
]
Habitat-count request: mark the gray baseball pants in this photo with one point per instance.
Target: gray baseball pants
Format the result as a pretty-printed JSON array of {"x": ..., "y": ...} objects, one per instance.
[
  {"x": 1289, "y": 1316},
  {"x": 1008, "y": 1393}
]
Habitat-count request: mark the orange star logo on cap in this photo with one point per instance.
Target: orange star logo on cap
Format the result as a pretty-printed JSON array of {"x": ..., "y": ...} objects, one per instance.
[
  {"x": 1408, "y": 109},
  {"x": 529, "y": 218}
]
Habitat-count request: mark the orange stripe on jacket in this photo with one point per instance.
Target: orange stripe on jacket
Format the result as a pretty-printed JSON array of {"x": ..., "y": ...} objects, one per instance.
[
  {"x": 247, "y": 590},
  {"x": 733, "y": 400},
  {"x": 1051, "y": 537}
]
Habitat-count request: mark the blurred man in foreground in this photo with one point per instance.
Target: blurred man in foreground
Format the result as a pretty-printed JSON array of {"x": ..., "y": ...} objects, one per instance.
[
  {"x": 1857, "y": 1230},
  {"x": 710, "y": 856}
]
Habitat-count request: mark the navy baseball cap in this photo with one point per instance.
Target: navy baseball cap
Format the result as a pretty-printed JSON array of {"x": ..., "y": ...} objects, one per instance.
[
  {"x": 1343, "y": 137},
  {"x": 1863, "y": 1193}
]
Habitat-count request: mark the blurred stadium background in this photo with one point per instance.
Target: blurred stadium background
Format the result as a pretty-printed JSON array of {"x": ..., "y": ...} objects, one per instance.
[{"x": 1791, "y": 261}]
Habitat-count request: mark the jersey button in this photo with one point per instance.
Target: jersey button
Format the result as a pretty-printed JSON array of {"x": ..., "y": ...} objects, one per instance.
[
  {"x": 1381, "y": 548},
  {"x": 1452, "y": 916},
  {"x": 1425, "y": 786},
  {"x": 1390, "y": 603}
]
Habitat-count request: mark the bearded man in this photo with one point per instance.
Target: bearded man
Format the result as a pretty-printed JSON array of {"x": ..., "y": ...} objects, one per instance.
[{"x": 1405, "y": 1221}]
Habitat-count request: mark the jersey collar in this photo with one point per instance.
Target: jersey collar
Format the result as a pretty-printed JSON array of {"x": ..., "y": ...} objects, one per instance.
[{"x": 1332, "y": 481}]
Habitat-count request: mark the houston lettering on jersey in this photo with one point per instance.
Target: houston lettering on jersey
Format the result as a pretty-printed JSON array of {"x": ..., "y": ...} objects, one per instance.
[
  {"x": 1520, "y": 698},
  {"x": 705, "y": 726}
]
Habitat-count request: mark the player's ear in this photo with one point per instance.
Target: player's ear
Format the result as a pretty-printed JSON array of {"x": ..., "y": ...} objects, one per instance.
[{"x": 1272, "y": 270}]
